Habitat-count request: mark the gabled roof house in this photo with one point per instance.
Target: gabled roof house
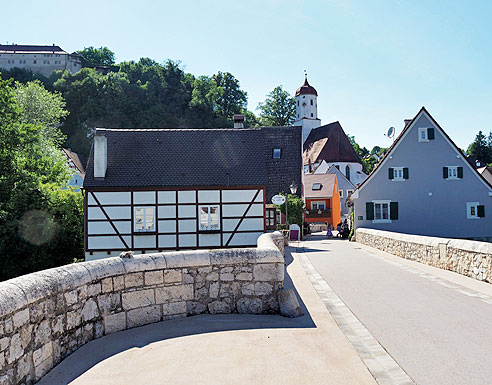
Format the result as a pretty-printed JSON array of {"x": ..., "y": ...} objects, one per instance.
[
  {"x": 169, "y": 189},
  {"x": 322, "y": 199},
  {"x": 424, "y": 185}
]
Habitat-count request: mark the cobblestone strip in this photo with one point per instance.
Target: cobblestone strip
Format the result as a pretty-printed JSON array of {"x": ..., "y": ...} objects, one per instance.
[
  {"x": 383, "y": 368},
  {"x": 441, "y": 281}
]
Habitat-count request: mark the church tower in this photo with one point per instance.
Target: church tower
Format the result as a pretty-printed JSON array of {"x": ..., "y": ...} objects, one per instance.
[{"x": 306, "y": 109}]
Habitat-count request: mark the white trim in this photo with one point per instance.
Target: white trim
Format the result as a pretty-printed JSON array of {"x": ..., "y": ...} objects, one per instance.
[
  {"x": 420, "y": 130},
  {"x": 317, "y": 203},
  {"x": 398, "y": 178},
  {"x": 408, "y": 129},
  {"x": 469, "y": 205},
  {"x": 455, "y": 168},
  {"x": 375, "y": 202}
]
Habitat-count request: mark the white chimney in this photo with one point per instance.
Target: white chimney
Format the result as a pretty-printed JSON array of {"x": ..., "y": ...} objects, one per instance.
[
  {"x": 100, "y": 155},
  {"x": 238, "y": 121}
]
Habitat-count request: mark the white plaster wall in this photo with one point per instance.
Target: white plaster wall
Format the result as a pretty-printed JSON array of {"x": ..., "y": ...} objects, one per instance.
[
  {"x": 113, "y": 212},
  {"x": 144, "y": 241},
  {"x": 166, "y": 196},
  {"x": 167, "y": 241},
  {"x": 187, "y": 225},
  {"x": 241, "y": 196},
  {"x": 247, "y": 224},
  {"x": 187, "y": 240},
  {"x": 355, "y": 177},
  {"x": 108, "y": 242},
  {"x": 167, "y": 211},
  {"x": 187, "y": 211},
  {"x": 167, "y": 226},
  {"x": 209, "y": 196},
  {"x": 242, "y": 238},
  {"x": 108, "y": 198},
  {"x": 209, "y": 239},
  {"x": 187, "y": 196},
  {"x": 231, "y": 210},
  {"x": 143, "y": 197}
]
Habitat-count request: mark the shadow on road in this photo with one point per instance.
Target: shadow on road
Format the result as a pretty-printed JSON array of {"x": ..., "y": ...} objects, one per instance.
[{"x": 103, "y": 348}]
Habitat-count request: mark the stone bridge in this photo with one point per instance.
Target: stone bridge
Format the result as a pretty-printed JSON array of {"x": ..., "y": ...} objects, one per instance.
[{"x": 47, "y": 315}]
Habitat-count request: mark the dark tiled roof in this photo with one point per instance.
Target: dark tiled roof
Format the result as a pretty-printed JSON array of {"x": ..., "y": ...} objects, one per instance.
[
  {"x": 306, "y": 89},
  {"x": 30, "y": 48},
  {"x": 329, "y": 143},
  {"x": 200, "y": 157}
]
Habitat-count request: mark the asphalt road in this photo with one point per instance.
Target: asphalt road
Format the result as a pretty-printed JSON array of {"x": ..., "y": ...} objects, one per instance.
[{"x": 437, "y": 334}]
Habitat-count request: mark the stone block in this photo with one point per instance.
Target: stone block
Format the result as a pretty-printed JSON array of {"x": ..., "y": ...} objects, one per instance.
[
  {"x": 268, "y": 272},
  {"x": 248, "y": 289},
  {"x": 79, "y": 273},
  {"x": 94, "y": 289},
  {"x": 225, "y": 270},
  {"x": 20, "y": 318},
  {"x": 159, "y": 260},
  {"x": 214, "y": 290},
  {"x": 232, "y": 256},
  {"x": 263, "y": 288},
  {"x": 11, "y": 298},
  {"x": 219, "y": 307},
  {"x": 107, "y": 285},
  {"x": 269, "y": 255},
  {"x": 195, "y": 308},
  {"x": 136, "y": 299},
  {"x": 212, "y": 276},
  {"x": 249, "y": 306},
  {"x": 71, "y": 297},
  {"x": 142, "y": 262},
  {"x": 57, "y": 324},
  {"x": 143, "y": 316},
  {"x": 73, "y": 319},
  {"x": 153, "y": 277},
  {"x": 42, "y": 333},
  {"x": 108, "y": 303},
  {"x": 187, "y": 259},
  {"x": 43, "y": 368},
  {"x": 118, "y": 282},
  {"x": 227, "y": 277},
  {"x": 174, "y": 293},
  {"x": 114, "y": 323},
  {"x": 2, "y": 361},
  {"x": 289, "y": 305},
  {"x": 90, "y": 310},
  {"x": 244, "y": 276},
  {"x": 173, "y": 308},
  {"x": 172, "y": 276},
  {"x": 188, "y": 278},
  {"x": 9, "y": 325},
  {"x": 133, "y": 280},
  {"x": 23, "y": 367},
  {"x": 16, "y": 351},
  {"x": 4, "y": 343},
  {"x": 42, "y": 354},
  {"x": 26, "y": 335},
  {"x": 103, "y": 268}
]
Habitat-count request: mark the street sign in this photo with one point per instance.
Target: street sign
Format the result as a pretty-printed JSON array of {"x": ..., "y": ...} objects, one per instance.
[{"x": 278, "y": 199}]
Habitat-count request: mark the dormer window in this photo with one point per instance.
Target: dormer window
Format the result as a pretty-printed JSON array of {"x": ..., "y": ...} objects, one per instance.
[
  {"x": 316, "y": 186},
  {"x": 277, "y": 153}
]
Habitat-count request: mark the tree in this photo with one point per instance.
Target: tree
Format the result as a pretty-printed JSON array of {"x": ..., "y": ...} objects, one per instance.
[
  {"x": 40, "y": 225},
  {"x": 279, "y": 108},
  {"x": 230, "y": 99},
  {"x": 92, "y": 57},
  {"x": 295, "y": 210},
  {"x": 481, "y": 147}
]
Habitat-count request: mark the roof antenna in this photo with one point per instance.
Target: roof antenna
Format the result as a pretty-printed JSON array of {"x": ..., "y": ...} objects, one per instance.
[{"x": 305, "y": 75}]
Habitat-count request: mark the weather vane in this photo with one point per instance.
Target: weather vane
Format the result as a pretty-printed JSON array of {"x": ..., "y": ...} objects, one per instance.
[{"x": 305, "y": 73}]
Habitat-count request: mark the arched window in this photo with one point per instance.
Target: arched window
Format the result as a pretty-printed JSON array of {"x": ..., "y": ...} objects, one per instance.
[{"x": 347, "y": 172}]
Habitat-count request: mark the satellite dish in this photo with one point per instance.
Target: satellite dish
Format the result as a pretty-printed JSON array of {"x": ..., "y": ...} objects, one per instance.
[{"x": 391, "y": 132}]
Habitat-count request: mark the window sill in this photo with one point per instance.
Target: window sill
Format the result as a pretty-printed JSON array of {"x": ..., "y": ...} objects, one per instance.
[
  {"x": 453, "y": 178},
  {"x": 398, "y": 180},
  {"x": 143, "y": 232},
  {"x": 381, "y": 221},
  {"x": 209, "y": 231}
]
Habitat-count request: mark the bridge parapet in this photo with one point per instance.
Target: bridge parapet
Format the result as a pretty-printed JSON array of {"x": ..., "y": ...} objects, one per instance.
[{"x": 46, "y": 315}]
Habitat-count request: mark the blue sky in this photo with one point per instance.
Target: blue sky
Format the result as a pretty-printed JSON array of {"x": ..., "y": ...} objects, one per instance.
[{"x": 373, "y": 63}]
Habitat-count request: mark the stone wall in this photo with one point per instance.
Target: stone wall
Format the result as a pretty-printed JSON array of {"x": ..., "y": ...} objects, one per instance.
[
  {"x": 46, "y": 315},
  {"x": 470, "y": 258}
]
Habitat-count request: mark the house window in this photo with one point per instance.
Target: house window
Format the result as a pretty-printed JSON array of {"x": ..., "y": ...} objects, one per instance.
[
  {"x": 298, "y": 105},
  {"x": 270, "y": 217},
  {"x": 426, "y": 134},
  {"x": 452, "y": 172},
  {"x": 341, "y": 193},
  {"x": 144, "y": 219},
  {"x": 311, "y": 101},
  {"x": 398, "y": 173},
  {"x": 474, "y": 210},
  {"x": 316, "y": 186},
  {"x": 350, "y": 192},
  {"x": 347, "y": 172},
  {"x": 318, "y": 205},
  {"x": 34, "y": 62},
  {"x": 276, "y": 153},
  {"x": 382, "y": 211},
  {"x": 209, "y": 218},
  {"x": 311, "y": 114}
]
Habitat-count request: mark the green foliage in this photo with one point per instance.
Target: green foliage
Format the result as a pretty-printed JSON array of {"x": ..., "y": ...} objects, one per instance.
[
  {"x": 92, "y": 57},
  {"x": 279, "y": 108},
  {"x": 230, "y": 99},
  {"x": 40, "y": 225},
  {"x": 481, "y": 147},
  {"x": 295, "y": 210}
]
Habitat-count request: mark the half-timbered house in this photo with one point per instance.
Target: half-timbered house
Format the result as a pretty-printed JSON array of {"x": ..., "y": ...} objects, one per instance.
[{"x": 151, "y": 190}]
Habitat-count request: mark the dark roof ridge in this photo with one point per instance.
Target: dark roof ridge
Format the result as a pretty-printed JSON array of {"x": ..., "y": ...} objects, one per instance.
[{"x": 190, "y": 129}]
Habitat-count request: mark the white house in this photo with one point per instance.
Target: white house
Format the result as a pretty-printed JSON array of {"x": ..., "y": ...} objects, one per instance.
[
  {"x": 169, "y": 189},
  {"x": 43, "y": 59}
]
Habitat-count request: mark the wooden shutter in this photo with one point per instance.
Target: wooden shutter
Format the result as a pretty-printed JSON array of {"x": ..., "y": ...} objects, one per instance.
[
  {"x": 390, "y": 173},
  {"x": 445, "y": 172},
  {"x": 405, "y": 172},
  {"x": 430, "y": 133},
  {"x": 393, "y": 210},
  {"x": 480, "y": 211},
  {"x": 369, "y": 211},
  {"x": 460, "y": 172}
]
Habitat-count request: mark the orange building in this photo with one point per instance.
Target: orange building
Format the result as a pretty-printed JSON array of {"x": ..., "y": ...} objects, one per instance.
[{"x": 322, "y": 199}]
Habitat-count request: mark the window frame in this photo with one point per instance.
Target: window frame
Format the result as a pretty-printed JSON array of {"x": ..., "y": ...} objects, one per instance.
[
  {"x": 144, "y": 230},
  {"x": 451, "y": 177},
  {"x": 209, "y": 227},
  {"x": 316, "y": 184},
  {"x": 420, "y": 130},
  {"x": 317, "y": 203},
  {"x": 382, "y": 202},
  {"x": 341, "y": 193},
  {"x": 349, "y": 192},
  {"x": 398, "y": 170},
  {"x": 469, "y": 206}
]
